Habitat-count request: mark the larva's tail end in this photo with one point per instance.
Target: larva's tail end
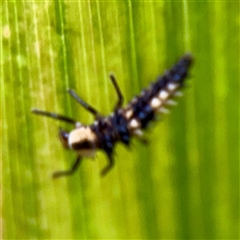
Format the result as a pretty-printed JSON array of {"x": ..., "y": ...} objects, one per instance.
[
  {"x": 179, "y": 72},
  {"x": 187, "y": 59}
]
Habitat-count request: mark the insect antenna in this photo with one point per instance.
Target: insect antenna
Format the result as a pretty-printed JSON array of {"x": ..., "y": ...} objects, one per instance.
[
  {"x": 89, "y": 108},
  {"x": 54, "y": 115}
]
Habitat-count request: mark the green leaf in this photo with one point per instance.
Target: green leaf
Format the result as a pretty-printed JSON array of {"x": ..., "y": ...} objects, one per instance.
[{"x": 184, "y": 184}]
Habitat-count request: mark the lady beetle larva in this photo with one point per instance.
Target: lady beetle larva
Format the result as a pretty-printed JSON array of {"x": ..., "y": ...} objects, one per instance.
[{"x": 124, "y": 122}]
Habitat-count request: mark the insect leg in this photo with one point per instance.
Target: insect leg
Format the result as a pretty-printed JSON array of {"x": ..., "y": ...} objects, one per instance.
[
  {"x": 67, "y": 172},
  {"x": 54, "y": 115},
  {"x": 119, "y": 93},
  {"x": 89, "y": 108},
  {"x": 109, "y": 166}
]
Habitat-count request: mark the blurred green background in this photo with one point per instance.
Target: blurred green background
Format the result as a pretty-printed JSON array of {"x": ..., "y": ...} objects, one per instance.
[{"x": 184, "y": 184}]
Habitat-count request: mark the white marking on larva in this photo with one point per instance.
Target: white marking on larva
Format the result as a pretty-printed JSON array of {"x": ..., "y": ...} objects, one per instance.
[
  {"x": 178, "y": 94},
  {"x": 134, "y": 123},
  {"x": 163, "y": 110},
  {"x": 80, "y": 134},
  {"x": 129, "y": 113},
  {"x": 155, "y": 103},
  {"x": 138, "y": 132},
  {"x": 172, "y": 86},
  {"x": 163, "y": 94},
  {"x": 171, "y": 102}
]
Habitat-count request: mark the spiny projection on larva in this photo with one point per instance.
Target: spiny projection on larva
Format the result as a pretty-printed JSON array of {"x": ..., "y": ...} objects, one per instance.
[{"x": 125, "y": 122}]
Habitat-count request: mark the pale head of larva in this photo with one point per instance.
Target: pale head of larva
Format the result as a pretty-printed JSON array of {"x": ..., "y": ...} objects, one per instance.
[{"x": 83, "y": 141}]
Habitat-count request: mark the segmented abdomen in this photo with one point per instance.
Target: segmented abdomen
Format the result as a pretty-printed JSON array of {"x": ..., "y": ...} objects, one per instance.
[
  {"x": 128, "y": 121},
  {"x": 143, "y": 108}
]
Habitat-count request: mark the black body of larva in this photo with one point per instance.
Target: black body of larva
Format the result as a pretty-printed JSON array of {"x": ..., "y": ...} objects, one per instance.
[
  {"x": 110, "y": 130},
  {"x": 115, "y": 128},
  {"x": 123, "y": 123},
  {"x": 142, "y": 109}
]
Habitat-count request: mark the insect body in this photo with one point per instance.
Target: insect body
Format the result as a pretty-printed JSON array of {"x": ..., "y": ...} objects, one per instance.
[{"x": 124, "y": 122}]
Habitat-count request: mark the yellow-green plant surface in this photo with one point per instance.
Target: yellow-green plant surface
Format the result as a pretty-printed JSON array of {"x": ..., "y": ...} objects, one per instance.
[{"x": 184, "y": 184}]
